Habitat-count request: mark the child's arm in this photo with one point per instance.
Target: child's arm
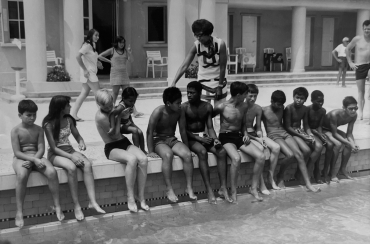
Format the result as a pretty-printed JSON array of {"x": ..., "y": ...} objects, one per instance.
[
  {"x": 104, "y": 54},
  {"x": 150, "y": 131},
  {"x": 112, "y": 118},
  {"x": 334, "y": 131},
  {"x": 73, "y": 157},
  {"x": 350, "y": 137},
  {"x": 246, "y": 138},
  {"x": 318, "y": 132},
  {"x": 306, "y": 126},
  {"x": 117, "y": 121},
  {"x": 209, "y": 123},
  {"x": 217, "y": 110},
  {"x": 182, "y": 127},
  {"x": 77, "y": 136},
  {"x": 288, "y": 124}
]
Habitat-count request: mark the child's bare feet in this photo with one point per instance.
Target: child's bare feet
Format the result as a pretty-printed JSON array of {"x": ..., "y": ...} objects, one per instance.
[
  {"x": 59, "y": 213},
  {"x": 273, "y": 184},
  {"x": 346, "y": 175},
  {"x": 313, "y": 189},
  {"x": 254, "y": 193},
  {"x": 171, "y": 196},
  {"x": 191, "y": 194},
  {"x": 234, "y": 198},
  {"x": 264, "y": 190},
  {"x": 19, "y": 219},
  {"x": 211, "y": 198},
  {"x": 281, "y": 183},
  {"x": 144, "y": 206},
  {"x": 79, "y": 214},
  {"x": 224, "y": 194},
  {"x": 131, "y": 204},
  {"x": 96, "y": 207},
  {"x": 335, "y": 179}
]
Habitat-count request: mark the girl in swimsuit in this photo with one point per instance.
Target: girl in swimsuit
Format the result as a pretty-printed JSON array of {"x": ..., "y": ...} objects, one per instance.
[{"x": 58, "y": 125}]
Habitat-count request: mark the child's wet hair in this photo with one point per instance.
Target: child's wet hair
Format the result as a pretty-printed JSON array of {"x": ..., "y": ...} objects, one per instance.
[
  {"x": 196, "y": 85},
  {"x": 238, "y": 87},
  {"x": 278, "y": 96},
  {"x": 252, "y": 88},
  {"x": 316, "y": 94},
  {"x": 349, "y": 100},
  {"x": 300, "y": 91},
  {"x": 171, "y": 94},
  {"x": 27, "y": 106},
  {"x": 202, "y": 25},
  {"x": 103, "y": 97},
  {"x": 129, "y": 92}
]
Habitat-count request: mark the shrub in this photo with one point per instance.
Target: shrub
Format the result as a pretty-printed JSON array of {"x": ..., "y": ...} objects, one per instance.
[
  {"x": 58, "y": 74},
  {"x": 192, "y": 71}
]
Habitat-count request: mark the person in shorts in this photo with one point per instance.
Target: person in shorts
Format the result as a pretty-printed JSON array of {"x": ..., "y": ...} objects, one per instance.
[{"x": 339, "y": 53}]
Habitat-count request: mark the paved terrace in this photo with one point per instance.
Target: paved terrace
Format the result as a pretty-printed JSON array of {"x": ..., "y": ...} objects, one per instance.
[{"x": 9, "y": 118}]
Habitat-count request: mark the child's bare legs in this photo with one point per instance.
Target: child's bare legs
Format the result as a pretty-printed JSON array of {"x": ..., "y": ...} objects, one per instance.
[
  {"x": 301, "y": 163},
  {"x": 89, "y": 183},
  {"x": 141, "y": 174},
  {"x": 314, "y": 158},
  {"x": 202, "y": 154},
  {"x": 306, "y": 151},
  {"x": 261, "y": 184},
  {"x": 166, "y": 154},
  {"x": 222, "y": 171},
  {"x": 137, "y": 136},
  {"x": 361, "y": 97},
  {"x": 22, "y": 175},
  {"x": 184, "y": 153},
  {"x": 259, "y": 162},
  {"x": 131, "y": 162},
  {"x": 233, "y": 153},
  {"x": 328, "y": 156},
  {"x": 285, "y": 162},
  {"x": 71, "y": 169},
  {"x": 337, "y": 146},
  {"x": 346, "y": 154},
  {"x": 86, "y": 87},
  {"x": 274, "y": 157},
  {"x": 51, "y": 174}
]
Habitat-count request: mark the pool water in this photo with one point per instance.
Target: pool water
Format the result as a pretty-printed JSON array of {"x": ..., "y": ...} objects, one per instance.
[{"x": 338, "y": 214}]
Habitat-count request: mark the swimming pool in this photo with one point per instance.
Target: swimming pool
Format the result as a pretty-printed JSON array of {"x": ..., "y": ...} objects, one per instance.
[{"x": 338, "y": 214}]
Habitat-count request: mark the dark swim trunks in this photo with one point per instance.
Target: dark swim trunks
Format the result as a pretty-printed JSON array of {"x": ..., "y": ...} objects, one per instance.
[
  {"x": 168, "y": 140},
  {"x": 120, "y": 144},
  {"x": 235, "y": 138},
  {"x": 253, "y": 133},
  {"x": 278, "y": 134},
  {"x": 344, "y": 63},
  {"x": 362, "y": 71}
]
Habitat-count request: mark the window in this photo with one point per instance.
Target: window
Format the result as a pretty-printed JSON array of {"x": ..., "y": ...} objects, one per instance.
[
  {"x": 157, "y": 24},
  {"x": 16, "y": 19},
  {"x": 87, "y": 5}
]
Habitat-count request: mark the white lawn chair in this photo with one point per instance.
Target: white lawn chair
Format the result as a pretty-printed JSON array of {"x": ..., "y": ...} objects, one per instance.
[
  {"x": 232, "y": 62},
  {"x": 51, "y": 57},
  {"x": 153, "y": 59}
]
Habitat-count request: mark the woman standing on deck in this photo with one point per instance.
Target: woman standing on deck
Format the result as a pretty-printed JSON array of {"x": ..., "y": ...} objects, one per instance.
[
  {"x": 87, "y": 58},
  {"x": 118, "y": 72}
]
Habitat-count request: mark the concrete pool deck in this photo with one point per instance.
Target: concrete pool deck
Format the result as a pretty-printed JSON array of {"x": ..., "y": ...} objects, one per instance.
[{"x": 338, "y": 214}]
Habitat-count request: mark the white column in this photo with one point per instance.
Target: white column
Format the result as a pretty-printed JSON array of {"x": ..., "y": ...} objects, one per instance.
[
  {"x": 298, "y": 39},
  {"x": 221, "y": 23},
  {"x": 207, "y": 10},
  {"x": 362, "y": 15},
  {"x": 176, "y": 37},
  {"x": 34, "y": 15},
  {"x": 73, "y": 35}
]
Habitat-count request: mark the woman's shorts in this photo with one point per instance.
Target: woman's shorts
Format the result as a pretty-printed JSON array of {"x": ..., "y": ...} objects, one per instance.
[
  {"x": 92, "y": 77},
  {"x": 65, "y": 148}
]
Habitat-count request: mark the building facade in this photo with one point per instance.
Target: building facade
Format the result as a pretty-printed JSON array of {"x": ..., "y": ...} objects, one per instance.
[{"x": 312, "y": 28}]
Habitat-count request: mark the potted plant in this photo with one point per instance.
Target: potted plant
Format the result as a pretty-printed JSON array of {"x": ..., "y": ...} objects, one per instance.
[{"x": 58, "y": 74}]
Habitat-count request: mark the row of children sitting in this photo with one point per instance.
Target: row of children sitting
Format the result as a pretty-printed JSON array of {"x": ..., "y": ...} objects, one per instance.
[{"x": 237, "y": 132}]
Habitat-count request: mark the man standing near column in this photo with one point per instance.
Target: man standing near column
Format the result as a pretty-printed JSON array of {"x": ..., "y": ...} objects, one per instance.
[
  {"x": 339, "y": 53},
  {"x": 212, "y": 59},
  {"x": 362, "y": 65}
]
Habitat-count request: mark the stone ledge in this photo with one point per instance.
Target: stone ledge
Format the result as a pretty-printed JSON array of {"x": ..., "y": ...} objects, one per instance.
[{"x": 104, "y": 169}]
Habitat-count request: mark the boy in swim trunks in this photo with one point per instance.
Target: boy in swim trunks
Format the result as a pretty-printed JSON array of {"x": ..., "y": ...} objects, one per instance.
[
  {"x": 198, "y": 115},
  {"x": 233, "y": 136},
  {"x": 333, "y": 119},
  {"x": 294, "y": 114},
  {"x": 362, "y": 66},
  {"x": 161, "y": 140},
  {"x": 315, "y": 118},
  {"x": 272, "y": 118},
  {"x": 256, "y": 135},
  {"x": 29, "y": 147}
]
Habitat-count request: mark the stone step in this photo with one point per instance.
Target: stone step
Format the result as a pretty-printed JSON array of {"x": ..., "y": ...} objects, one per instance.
[
  {"x": 274, "y": 75},
  {"x": 138, "y": 84},
  {"x": 11, "y": 90},
  {"x": 293, "y": 80}
]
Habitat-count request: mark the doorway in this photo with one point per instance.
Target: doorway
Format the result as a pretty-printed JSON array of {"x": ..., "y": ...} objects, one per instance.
[
  {"x": 105, "y": 21},
  {"x": 327, "y": 41},
  {"x": 249, "y": 33}
]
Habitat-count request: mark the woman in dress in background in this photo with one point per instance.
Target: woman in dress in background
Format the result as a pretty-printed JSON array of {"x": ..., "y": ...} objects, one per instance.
[{"x": 118, "y": 72}]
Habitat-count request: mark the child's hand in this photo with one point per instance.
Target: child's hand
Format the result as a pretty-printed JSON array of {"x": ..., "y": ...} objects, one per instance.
[
  {"x": 111, "y": 132},
  {"x": 246, "y": 140},
  {"x": 152, "y": 155},
  {"x": 217, "y": 144},
  {"x": 261, "y": 141},
  {"x": 100, "y": 65},
  {"x": 324, "y": 137},
  {"x": 82, "y": 146},
  {"x": 86, "y": 74},
  {"x": 126, "y": 111},
  {"x": 39, "y": 164},
  {"x": 27, "y": 164},
  {"x": 79, "y": 162},
  {"x": 355, "y": 148},
  {"x": 206, "y": 140}
]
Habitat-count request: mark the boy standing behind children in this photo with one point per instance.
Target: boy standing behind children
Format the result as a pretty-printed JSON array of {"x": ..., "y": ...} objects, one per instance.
[
  {"x": 161, "y": 140},
  {"x": 255, "y": 133},
  {"x": 29, "y": 147},
  {"x": 294, "y": 114},
  {"x": 316, "y": 114}
]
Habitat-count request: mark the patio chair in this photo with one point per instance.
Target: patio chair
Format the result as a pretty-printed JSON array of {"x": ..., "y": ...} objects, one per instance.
[
  {"x": 277, "y": 58},
  {"x": 248, "y": 59},
  {"x": 267, "y": 55},
  {"x": 153, "y": 59},
  {"x": 52, "y": 57},
  {"x": 232, "y": 62},
  {"x": 288, "y": 56}
]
